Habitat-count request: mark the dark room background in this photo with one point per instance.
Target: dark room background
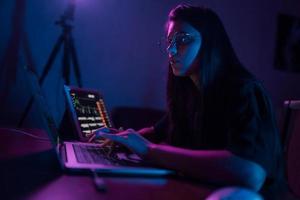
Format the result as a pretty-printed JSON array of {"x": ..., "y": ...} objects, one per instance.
[{"x": 116, "y": 43}]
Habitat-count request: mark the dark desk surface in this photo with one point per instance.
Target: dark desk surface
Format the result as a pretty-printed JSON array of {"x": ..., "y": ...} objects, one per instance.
[{"x": 29, "y": 170}]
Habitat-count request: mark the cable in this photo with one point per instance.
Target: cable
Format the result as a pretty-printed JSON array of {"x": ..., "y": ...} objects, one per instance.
[
  {"x": 25, "y": 133},
  {"x": 99, "y": 182}
]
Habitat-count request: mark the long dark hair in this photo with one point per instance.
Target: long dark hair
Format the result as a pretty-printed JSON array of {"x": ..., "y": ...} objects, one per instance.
[{"x": 187, "y": 104}]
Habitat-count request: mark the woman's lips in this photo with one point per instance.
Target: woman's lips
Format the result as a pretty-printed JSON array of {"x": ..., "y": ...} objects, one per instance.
[
  {"x": 174, "y": 61},
  {"x": 175, "y": 65}
]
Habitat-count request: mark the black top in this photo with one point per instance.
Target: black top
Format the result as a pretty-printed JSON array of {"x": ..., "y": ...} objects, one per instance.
[{"x": 241, "y": 120}]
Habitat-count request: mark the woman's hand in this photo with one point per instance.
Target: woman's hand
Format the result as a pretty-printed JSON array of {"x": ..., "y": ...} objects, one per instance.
[
  {"x": 129, "y": 138},
  {"x": 106, "y": 142}
]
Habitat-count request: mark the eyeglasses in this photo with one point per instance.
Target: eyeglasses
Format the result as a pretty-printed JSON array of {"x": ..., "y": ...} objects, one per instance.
[{"x": 179, "y": 40}]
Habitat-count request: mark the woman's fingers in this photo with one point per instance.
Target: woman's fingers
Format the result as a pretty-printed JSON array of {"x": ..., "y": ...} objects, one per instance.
[
  {"x": 113, "y": 137},
  {"x": 99, "y": 131},
  {"x": 107, "y": 130},
  {"x": 92, "y": 137}
]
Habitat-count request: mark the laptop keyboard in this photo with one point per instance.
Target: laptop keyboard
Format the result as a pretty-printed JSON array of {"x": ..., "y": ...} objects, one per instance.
[{"x": 95, "y": 154}]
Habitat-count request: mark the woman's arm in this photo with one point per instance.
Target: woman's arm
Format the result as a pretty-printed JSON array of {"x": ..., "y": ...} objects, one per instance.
[
  {"x": 147, "y": 132},
  {"x": 220, "y": 166}
]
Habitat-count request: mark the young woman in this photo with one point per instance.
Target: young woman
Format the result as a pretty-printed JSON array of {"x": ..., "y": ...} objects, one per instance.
[{"x": 220, "y": 125}]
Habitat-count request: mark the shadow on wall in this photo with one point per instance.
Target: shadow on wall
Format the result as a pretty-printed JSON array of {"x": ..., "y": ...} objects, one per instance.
[{"x": 287, "y": 56}]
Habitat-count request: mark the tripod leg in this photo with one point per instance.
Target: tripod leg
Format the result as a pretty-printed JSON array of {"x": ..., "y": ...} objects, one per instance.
[
  {"x": 66, "y": 60},
  {"x": 75, "y": 62},
  {"x": 41, "y": 79},
  {"x": 51, "y": 58},
  {"x": 26, "y": 111}
]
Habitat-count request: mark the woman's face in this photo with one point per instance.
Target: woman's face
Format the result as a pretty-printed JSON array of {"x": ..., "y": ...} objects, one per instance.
[{"x": 184, "y": 43}]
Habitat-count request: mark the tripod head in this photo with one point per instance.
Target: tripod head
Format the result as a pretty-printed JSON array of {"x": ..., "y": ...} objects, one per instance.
[{"x": 68, "y": 15}]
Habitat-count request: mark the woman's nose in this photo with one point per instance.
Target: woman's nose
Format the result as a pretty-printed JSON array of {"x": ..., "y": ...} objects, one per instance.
[{"x": 172, "y": 50}]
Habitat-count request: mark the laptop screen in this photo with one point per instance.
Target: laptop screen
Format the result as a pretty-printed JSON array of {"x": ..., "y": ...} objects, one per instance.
[{"x": 88, "y": 111}]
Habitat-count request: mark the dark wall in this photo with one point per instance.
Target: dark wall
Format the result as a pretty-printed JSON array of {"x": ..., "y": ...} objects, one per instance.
[{"x": 117, "y": 49}]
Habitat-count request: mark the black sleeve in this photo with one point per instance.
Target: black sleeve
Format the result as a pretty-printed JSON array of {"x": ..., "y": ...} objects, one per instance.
[
  {"x": 253, "y": 133},
  {"x": 161, "y": 128}
]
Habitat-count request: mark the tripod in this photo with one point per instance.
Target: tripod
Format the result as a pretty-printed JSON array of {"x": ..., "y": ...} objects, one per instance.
[{"x": 69, "y": 55}]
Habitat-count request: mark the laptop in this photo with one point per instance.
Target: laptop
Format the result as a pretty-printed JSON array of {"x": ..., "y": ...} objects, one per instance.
[{"x": 87, "y": 113}]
